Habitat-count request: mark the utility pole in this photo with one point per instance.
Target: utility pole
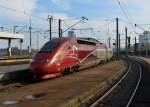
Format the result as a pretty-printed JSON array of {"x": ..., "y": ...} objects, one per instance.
[
  {"x": 147, "y": 44},
  {"x": 119, "y": 43},
  {"x": 109, "y": 42},
  {"x": 59, "y": 28},
  {"x": 126, "y": 36},
  {"x": 50, "y": 18},
  {"x": 30, "y": 46},
  {"x": 37, "y": 41},
  {"x": 117, "y": 35},
  {"x": 2, "y": 28}
]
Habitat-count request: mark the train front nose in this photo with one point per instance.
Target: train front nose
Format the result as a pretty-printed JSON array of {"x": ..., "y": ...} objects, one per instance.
[
  {"x": 45, "y": 70},
  {"x": 39, "y": 66},
  {"x": 43, "y": 66}
]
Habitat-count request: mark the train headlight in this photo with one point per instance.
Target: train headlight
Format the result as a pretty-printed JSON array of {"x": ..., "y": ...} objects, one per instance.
[
  {"x": 56, "y": 63},
  {"x": 47, "y": 61}
]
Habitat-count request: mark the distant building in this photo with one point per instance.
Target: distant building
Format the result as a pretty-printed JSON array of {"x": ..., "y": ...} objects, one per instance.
[{"x": 144, "y": 38}]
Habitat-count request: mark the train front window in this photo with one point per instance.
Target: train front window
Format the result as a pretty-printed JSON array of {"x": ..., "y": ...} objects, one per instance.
[{"x": 49, "y": 46}]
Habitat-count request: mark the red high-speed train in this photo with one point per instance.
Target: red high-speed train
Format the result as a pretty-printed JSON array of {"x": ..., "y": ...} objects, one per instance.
[{"x": 65, "y": 55}]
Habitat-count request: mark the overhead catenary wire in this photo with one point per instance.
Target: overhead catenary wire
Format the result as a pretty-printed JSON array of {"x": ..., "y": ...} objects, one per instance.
[
  {"x": 123, "y": 10},
  {"x": 83, "y": 18},
  {"x": 22, "y": 30},
  {"x": 126, "y": 9},
  {"x": 125, "y": 14},
  {"x": 22, "y": 12},
  {"x": 65, "y": 23}
]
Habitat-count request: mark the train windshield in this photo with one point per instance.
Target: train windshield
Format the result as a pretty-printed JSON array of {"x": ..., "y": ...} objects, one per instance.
[{"x": 49, "y": 46}]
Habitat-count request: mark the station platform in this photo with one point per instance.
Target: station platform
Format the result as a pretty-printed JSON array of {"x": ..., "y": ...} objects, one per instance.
[
  {"x": 10, "y": 67},
  {"x": 13, "y": 68},
  {"x": 10, "y": 72},
  {"x": 14, "y": 61}
]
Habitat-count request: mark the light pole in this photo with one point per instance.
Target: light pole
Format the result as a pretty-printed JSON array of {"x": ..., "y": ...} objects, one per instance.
[
  {"x": 108, "y": 30},
  {"x": 20, "y": 39},
  {"x": 16, "y": 32}
]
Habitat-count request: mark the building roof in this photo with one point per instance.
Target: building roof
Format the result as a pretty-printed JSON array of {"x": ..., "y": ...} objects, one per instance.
[{"x": 5, "y": 35}]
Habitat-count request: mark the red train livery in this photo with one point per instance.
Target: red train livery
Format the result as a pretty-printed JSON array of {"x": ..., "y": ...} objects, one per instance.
[{"x": 64, "y": 55}]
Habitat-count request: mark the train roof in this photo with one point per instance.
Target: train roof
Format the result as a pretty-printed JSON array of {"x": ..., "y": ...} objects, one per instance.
[{"x": 78, "y": 38}]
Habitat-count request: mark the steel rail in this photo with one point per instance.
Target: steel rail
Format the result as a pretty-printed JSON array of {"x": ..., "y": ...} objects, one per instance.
[
  {"x": 109, "y": 91},
  {"x": 136, "y": 88}
]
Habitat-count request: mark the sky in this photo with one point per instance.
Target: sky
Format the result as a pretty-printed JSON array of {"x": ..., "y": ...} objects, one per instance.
[{"x": 101, "y": 16}]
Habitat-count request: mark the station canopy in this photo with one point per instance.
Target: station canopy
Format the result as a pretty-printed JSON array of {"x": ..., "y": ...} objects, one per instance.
[{"x": 4, "y": 35}]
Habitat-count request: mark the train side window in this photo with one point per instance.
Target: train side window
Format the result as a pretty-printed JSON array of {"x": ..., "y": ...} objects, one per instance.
[{"x": 86, "y": 42}]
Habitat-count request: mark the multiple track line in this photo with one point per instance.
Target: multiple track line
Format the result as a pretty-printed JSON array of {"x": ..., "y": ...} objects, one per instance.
[{"x": 127, "y": 92}]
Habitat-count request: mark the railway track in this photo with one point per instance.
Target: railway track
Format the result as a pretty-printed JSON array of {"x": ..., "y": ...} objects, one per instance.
[
  {"x": 48, "y": 91},
  {"x": 130, "y": 91},
  {"x": 27, "y": 79}
]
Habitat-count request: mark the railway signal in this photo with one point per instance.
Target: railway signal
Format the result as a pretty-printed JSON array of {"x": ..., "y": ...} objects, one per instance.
[{"x": 129, "y": 45}]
